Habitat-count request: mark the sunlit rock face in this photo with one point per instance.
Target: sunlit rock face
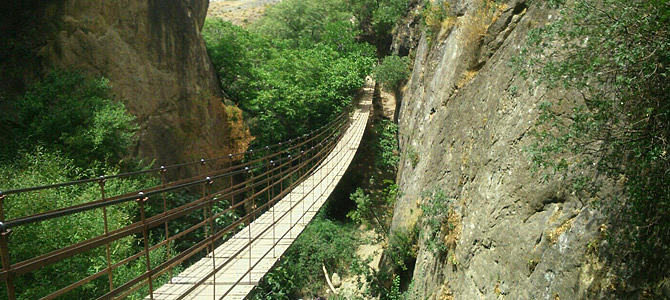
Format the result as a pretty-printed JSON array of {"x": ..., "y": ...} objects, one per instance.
[{"x": 464, "y": 123}]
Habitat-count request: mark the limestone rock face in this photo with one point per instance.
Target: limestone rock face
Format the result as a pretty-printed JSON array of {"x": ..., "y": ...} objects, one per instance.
[
  {"x": 464, "y": 122},
  {"x": 155, "y": 58}
]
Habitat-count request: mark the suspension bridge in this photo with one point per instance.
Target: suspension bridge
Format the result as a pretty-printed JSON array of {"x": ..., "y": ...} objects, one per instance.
[{"x": 249, "y": 210}]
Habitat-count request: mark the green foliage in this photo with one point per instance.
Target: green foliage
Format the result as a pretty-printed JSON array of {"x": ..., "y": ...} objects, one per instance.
[
  {"x": 376, "y": 208},
  {"x": 387, "y": 14},
  {"x": 41, "y": 167},
  {"x": 412, "y": 155},
  {"x": 388, "y": 155},
  {"x": 69, "y": 113},
  {"x": 392, "y": 72},
  {"x": 288, "y": 88},
  {"x": 615, "y": 53},
  {"x": 381, "y": 15},
  {"x": 235, "y": 52},
  {"x": 435, "y": 217},
  {"x": 401, "y": 249},
  {"x": 300, "y": 21},
  {"x": 323, "y": 242}
]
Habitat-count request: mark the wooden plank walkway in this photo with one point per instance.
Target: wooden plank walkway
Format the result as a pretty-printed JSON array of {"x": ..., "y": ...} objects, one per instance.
[{"x": 293, "y": 213}]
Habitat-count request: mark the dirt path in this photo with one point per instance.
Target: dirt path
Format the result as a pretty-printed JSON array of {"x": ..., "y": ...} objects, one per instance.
[{"x": 240, "y": 12}]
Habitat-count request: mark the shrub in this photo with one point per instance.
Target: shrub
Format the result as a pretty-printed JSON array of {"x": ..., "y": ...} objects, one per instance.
[
  {"x": 375, "y": 209},
  {"x": 392, "y": 71},
  {"x": 74, "y": 115},
  {"x": 434, "y": 219},
  {"x": 435, "y": 16},
  {"x": 401, "y": 249},
  {"x": 476, "y": 24},
  {"x": 387, "y": 149}
]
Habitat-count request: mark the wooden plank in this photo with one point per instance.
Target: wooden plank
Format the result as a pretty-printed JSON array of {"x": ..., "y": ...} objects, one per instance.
[{"x": 266, "y": 248}]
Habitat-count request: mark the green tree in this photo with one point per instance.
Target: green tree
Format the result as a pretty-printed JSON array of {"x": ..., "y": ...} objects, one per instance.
[
  {"x": 289, "y": 89},
  {"x": 300, "y": 21},
  {"x": 392, "y": 72}
]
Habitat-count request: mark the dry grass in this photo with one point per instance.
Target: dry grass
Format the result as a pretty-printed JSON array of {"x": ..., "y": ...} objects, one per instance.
[
  {"x": 476, "y": 24},
  {"x": 436, "y": 12},
  {"x": 240, "y": 137},
  {"x": 466, "y": 78}
]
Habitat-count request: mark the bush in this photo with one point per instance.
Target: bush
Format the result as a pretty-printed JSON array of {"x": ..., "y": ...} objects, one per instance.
[
  {"x": 401, "y": 249},
  {"x": 434, "y": 219},
  {"x": 73, "y": 115},
  {"x": 392, "y": 72},
  {"x": 375, "y": 209},
  {"x": 388, "y": 155},
  {"x": 434, "y": 14}
]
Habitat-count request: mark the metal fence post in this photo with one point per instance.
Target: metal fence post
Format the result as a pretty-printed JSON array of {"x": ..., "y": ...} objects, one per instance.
[
  {"x": 168, "y": 249},
  {"x": 110, "y": 274},
  {"x": 142, "y": 199},
  {"x": 4, "y": 250}
]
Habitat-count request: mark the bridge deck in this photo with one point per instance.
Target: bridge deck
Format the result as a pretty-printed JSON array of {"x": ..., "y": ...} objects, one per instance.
[{"x": 297, "y": 208}]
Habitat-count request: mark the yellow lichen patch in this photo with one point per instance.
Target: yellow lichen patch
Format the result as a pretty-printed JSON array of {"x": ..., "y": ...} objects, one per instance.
[
  {"x": 453, "y": 229},
  {"x": 496, "y": 289},
  {"x": 553, "y": 236},
  {"x": 466, "y": 78},
  {"x": 445, "y": 292}
]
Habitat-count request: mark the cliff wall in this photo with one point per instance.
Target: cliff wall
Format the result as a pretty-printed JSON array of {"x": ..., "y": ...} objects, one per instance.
[
  {"x": 151, "y": 51},
  {"x": 464, "y": 123}
]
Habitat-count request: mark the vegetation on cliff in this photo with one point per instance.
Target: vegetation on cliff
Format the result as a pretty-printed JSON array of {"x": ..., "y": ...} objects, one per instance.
[{"x": 614, "y": 55}]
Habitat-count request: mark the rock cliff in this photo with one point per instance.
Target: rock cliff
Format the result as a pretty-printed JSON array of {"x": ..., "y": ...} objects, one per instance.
[
  {"x": 464, "y": 122},
  {"x": 151, "y": 51}
]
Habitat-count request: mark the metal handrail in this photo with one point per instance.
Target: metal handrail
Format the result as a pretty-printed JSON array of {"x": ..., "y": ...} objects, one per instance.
[{"x": 313, "y": 149}]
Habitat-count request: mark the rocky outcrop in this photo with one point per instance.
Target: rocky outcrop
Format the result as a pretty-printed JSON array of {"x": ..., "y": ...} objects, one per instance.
[
  {"x": 463, "y": 126},
  {"x": 155, "y": 58}
]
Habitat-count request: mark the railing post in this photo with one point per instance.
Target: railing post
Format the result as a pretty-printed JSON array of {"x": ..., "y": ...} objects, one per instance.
[
  {"x": 168, "y": 249},
  {"x": 314, "y": 162},
  {"x": 272, "y": 203},
  {"x": 290, "y": 199},
  {"x": 208, "y": 187},
  {"x": 204, "y": 208},
  {"x": 204, "y": 213},
  {"x": 142, "y": 199},
  {"x": 110, "y": 275},
  {"x": 230, "y": 178},
  {"x": 249, "y": 228},
  {"x": 4, "y": 250},
  {"x": 302, "y": 186}
]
